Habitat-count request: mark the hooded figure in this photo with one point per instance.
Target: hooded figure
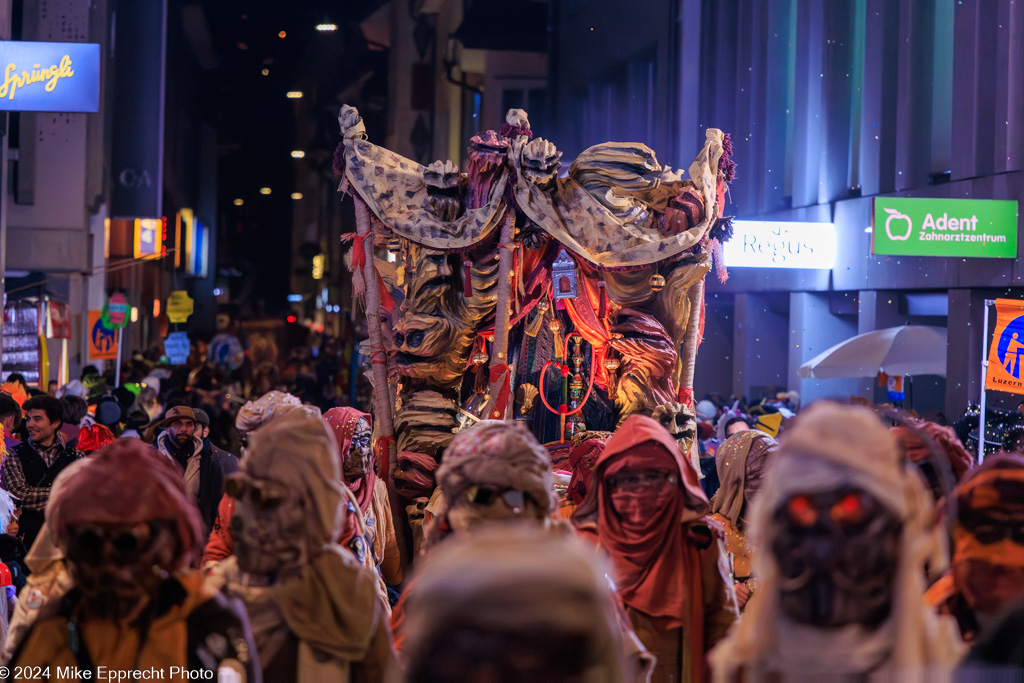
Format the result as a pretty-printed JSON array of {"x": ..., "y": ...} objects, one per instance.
[
  {"x": 314, "y": 609},
  {"x": 130, "y": 537},
  {"x": 353, "y": 431},
  {"x": 647, "y": 511},
  {"x": 913, "y": 446},
  {"x": 254, "y": 415},
  {"x": 845, "y": 528},
  {"x": 517, "y": 600},
  {"x": 988, "y": 555},
  {"x": 741, "y": 462},
  {"x": 582, "y": 459},
  {"x": 493, "y": 470}
]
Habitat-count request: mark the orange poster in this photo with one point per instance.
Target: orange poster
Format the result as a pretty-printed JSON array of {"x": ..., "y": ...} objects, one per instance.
[
  {"x": 102, "y": 341},
  {"x": 1006, "y": 354}
]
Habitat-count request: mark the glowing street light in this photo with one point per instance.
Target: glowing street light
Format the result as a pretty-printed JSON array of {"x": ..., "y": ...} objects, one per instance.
[
  {"x": 326, "y": 27},
  {"x": 282, "y": 34},
  {"x": 296, "y": 195},
  {"x": 264, "y": 190},
  {"x": 294, "y": 94},
  {"x": 265, "y": 72},
  {"x": 298, "y": 154},
  {"x": 239, "y": 202}
]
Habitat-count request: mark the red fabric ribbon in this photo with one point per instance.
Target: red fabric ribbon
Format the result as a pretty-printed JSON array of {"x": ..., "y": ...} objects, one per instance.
[
  {"x": 384, "y": 455},
  {"x": 498, "y": 374},
  {"x": 358, "y": 252}
]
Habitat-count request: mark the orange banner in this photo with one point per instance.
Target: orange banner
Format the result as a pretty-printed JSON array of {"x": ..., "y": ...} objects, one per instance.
[
  {"x": 102, "y": 341},
  {"x": 1006, "y": 354}
]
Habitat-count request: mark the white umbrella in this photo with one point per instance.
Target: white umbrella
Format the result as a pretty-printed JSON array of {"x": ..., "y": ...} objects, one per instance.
[{"x": 896, "y": 351}]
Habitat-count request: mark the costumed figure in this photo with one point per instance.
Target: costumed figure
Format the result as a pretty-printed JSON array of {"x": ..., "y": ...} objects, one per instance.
[
  {"x": 647, "y": 511},
  {"x": 354, "y": 433},
  {"x": 518, "y": 601},
  {"x": 130, "y": 536},
  {"x": 473, "y": 255},
  {"x": 988, "y": 552},
  {"x": 49, "y": 579},
  {"x": 315, "y": 610},
  {"x": 845, "y": 528},
  {"x": 742, "y": 460},
  {"x": 922, "y": 441},
  {"x": 495, "y": 474}
]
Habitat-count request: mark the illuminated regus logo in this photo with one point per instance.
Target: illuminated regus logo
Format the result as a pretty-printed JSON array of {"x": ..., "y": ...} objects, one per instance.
[
  {"x": 780, "y": 244},
  {"x": 55, "y": 77}
]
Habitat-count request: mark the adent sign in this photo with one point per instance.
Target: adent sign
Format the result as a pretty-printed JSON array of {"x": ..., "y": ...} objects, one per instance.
[
  {"x": 57, "y": 77},
  {"x": 983, "y": 228},
  {"x": 776, "y": 244}
]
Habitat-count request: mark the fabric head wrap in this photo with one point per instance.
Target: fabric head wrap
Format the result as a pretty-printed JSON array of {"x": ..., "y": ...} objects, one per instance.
[
  {"x": 299, "y": 451},
  {"x": 500, "y": 454},
  {"x": 342, "y": 422},
  {"x": 916, "y": 450},
  {"x": 739, "y": 458},
  {"x": 830, "y": 446},
  {"x": 511, "y": 583},
  {"x": 256, "y": 413},
  {"x": 582, "y": 459}
]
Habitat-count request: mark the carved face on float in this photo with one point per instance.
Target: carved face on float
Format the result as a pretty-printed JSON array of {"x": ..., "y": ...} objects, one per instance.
[
  {"x": 268, "y": 525},
  {"x": 423, "y": 344},
  {"x": 837, "y": 555},
  {"x": 429, "y": 280},
  {"x": 119, "y": 568},
  {"x": 359, "y": 458}
]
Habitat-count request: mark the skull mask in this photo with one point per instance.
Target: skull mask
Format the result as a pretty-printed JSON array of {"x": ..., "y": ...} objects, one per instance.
[
  {"x": 837, "y": 554},
  {"x": 358, "y": 459},
  {"x": 268, "y": 525},
  {"x": 119, "y": 568}
]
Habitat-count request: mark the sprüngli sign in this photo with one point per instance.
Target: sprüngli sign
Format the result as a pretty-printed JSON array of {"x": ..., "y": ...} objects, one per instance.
[
  {"x": 57, "y": 77},
  {"x": 980, "y": 228}
]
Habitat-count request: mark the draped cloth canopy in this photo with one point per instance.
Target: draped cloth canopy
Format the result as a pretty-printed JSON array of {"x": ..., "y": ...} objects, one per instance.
[{"x": 606, "y": 211}]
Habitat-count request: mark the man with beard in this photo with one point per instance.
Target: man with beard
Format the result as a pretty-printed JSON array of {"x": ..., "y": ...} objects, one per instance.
[
  {"x": 845, "y": 528},
  {"x": 314, "y": 609},
  {"x": 29, "y": 470},
  {"x": 204, "y": 468},
  {"x": 130, "y": 536}
]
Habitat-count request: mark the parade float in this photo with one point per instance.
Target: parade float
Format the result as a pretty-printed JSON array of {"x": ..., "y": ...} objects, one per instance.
[{"x": 514, "y": 290}]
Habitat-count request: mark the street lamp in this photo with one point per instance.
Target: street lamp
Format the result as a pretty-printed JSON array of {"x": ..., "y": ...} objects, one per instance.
[
  {"x": 326, "y": 27},
  {"x": 294, "y": 94},
  {"x": 264, "y": 190},
  {"x": 298, "y": 154}
]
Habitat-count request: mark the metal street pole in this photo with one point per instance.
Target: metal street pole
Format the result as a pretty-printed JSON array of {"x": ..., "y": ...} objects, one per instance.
[{"x": 984, "y": 374}]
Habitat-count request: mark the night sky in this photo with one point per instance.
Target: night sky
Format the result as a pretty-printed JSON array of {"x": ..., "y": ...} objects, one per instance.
[{"x": 258, "y": 125}]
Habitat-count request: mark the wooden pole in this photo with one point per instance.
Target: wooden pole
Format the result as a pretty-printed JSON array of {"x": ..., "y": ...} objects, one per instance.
[
  {"x": 378, "y": 355},
  {"x": 696, "y": 299},
  {"x": 499, "y": 350}
]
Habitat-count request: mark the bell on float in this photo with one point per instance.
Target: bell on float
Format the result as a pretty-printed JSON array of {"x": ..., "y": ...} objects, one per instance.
[
  {"x": 611, "y": 364},
  {"x": 657, "y": 282},
  {"x": 394, "y": 245},
  {"x": 480, "y": 358}
]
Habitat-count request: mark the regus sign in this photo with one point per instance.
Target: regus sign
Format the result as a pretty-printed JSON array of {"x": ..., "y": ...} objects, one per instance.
[
  {"x": 778, "y": 244},
  {"x": 944, "y": 227}
]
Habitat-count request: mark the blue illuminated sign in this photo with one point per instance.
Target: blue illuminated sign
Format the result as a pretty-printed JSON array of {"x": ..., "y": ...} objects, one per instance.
[{"x": 57, "y": 77}]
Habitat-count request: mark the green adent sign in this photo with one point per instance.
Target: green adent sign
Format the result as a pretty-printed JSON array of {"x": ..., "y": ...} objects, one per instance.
[{"x": 980, "y": 228}]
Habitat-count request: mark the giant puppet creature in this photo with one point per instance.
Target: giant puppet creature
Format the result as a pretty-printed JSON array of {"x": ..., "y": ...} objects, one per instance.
[{"x": 455, "y": 268}]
